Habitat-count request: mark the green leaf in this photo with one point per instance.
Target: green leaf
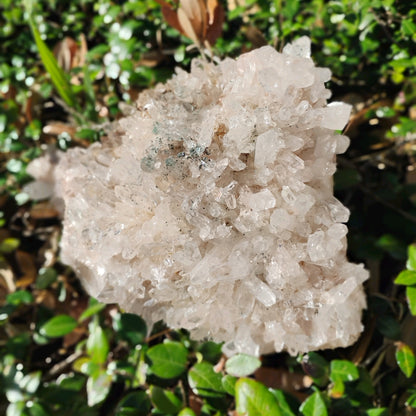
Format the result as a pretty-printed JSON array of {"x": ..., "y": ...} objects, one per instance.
[
  {"x": 241, "y": 365},
  {"x": 186, "y": 412},
  {"x": 30, "y": 382},
  {"x": 380, "y": 411},
  {"x": 411, "y": 260},
  {"x": 136, "y": 403},
  {"x": 97, "y": 343},
  {"x": 228, "y": 383},
  {"x": 46, "y": 276},
  {"x": 98, "y": 387},
  {"x": 394, "y": 246},
  {"x": 168, "y": 360},
  {"x": 343, "y": 370},
  {"x": 93, "y": 308},
  {"x": 20, "y": 297},
  {"x": 406, "y": 277},
  {"x": 15, "y": 409},
  {"x": 58, "y": 76},
  {"x": 411, "y": 298},
  {"x": 58, "y": 326},
  {"x": 254, "y": 399},
  {"x": 8, "y": 245},
  {"x": 408, "y": 27},
  {"x": 38, "y": 410},
  {"x": 165, "y": 400},
  {"x": 337, "y": 389},
  {"x": 211, "y": 351},
  {"x": 71, "y": 381},
  {"x": 411, "y": 401},
  {"x": 131, "y": 328},
  {"x": 405, "y": 359},
  {"x": 314, "y": 405},
  {"x": 317, "y": 367},
  {"x": 285, "y": 402},
  {"x": 204, "y": 381}
]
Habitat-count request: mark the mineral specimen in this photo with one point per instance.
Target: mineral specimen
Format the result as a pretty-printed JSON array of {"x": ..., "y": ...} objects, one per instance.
[{"x": 211, "y": 207}]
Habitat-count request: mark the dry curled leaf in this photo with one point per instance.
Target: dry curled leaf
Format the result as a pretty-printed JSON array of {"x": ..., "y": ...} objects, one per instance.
[
  {"x": 199, "y": 20},
  {"x": 70, "y": 55}
]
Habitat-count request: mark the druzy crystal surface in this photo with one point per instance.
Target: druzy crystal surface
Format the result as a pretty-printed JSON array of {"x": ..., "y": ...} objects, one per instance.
[{"x": 211, "y": 207}]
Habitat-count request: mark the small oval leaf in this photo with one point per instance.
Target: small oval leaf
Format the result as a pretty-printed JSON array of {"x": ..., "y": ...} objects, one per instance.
[
  {"x": 314, "y": 405},
  {"x": 165, "y": 400},
  {"x": 254, "y": 399},
  {"x": 131, "y": 328},
  {"x": 241, "y": 365},
  {"x": 168, "y": 360},
  {"x": 411, "y": 299},
  {"x": 97, "y": 343},
  {"x": 204, "y": 381},
  {"x": 228, "y": 382},
  {"x": 343, "y": 370},
  {"x": 186, "y": 412},
  {"x": 406, "y": 277},
  {"x": 58, "y": 326},
  {"x": 411, "y": 261},
  {"x": 136, "y": 403},
  {"x": 405, "y": 359}
]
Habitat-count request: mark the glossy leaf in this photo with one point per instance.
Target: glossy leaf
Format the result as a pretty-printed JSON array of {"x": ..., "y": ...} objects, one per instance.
[
  {"x": 36, "y": 409},
  {"x": 187, "y": 412},
  {"x": 8, "y": 245},
  {"x": 380, "y": 411},
  {"x": 316, "y": 367},
  {"x": 91, "y": 311},
  {"x": 97, "y": 343},
  {"x": 98, "y": 387},
  {"x": 411, "y": 298},
  {"x": 136, "y": 403},
  {"x": 314, "y": 405},
  {"x": 411, "y": 260},
  {"x": 204, "y": 381},
  {"x": 343, "y": 370},
  {"x": 58, "y": 326},
  {"x": 405, "y": 359},
  {"x": 19, "y": 297},
  {"x": 211, "y": 351},
  {"x": 406, "y": 277},
  {"x": 241, "y": 365},
  {"x": 228, "y": 383},
  {"x": 46, "y": 277},
  {"x": 168, "y": 360},
  {"x": 165, "y": 400},
  {"x": 131, "y": 328},
  {"x": 254, "y": 399},
  {"x": 288, "y": 405}
]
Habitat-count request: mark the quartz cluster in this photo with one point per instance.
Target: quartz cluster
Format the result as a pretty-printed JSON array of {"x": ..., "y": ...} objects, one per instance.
[{"x": 210, "y": 206}]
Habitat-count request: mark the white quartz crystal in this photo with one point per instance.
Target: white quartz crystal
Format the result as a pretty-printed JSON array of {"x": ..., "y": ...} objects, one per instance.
[{"x": 211, "y": 207}]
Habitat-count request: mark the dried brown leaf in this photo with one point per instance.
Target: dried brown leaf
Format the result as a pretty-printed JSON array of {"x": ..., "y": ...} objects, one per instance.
[
  {"x": 214, "y": 30},
  {"x": 187, "y": 26},
  {"x": 43, "y": 210},
  {"x": 211, "y": 6},
  {"x": 55, "y": 128},
  {"x": 27, "y": 268},
  {"x": 255, "y": 36},
  {"x": 65, "y": 52}
]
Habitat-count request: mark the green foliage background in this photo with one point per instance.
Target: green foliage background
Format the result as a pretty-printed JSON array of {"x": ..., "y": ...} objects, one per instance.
[{"x": 64, "y": 353}]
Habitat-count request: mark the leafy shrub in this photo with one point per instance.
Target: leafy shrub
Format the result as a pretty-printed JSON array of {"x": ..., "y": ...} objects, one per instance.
[{"x": 63, "y": 353}]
